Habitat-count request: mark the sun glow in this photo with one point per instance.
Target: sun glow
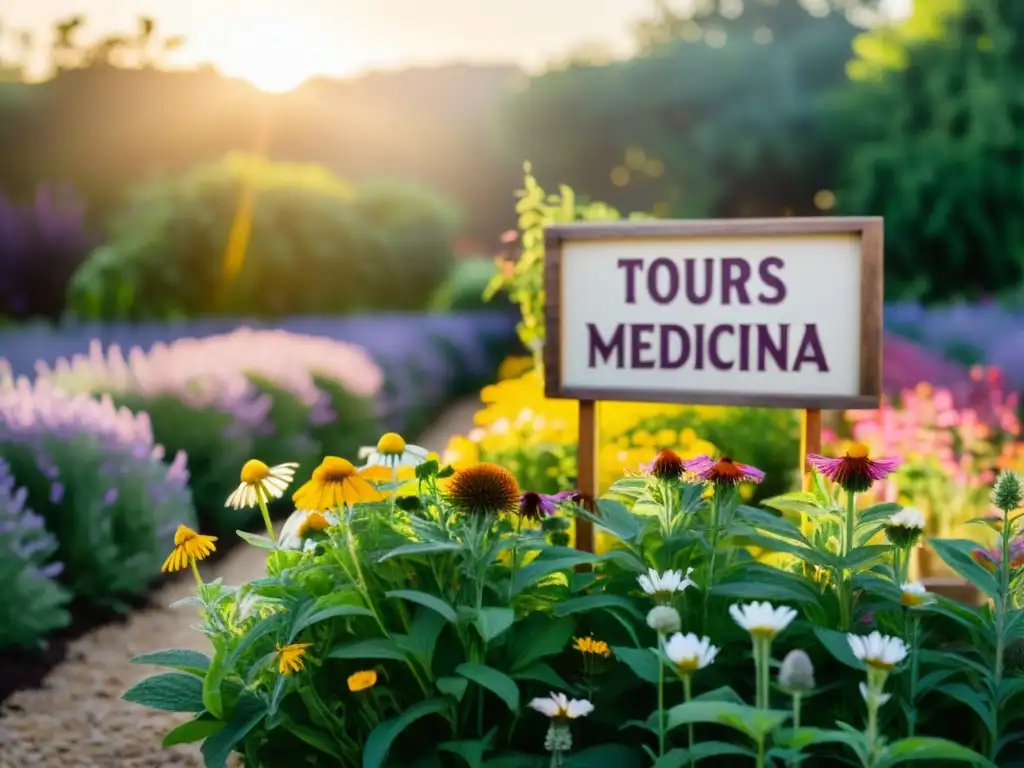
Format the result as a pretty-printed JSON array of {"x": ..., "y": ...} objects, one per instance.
[{"x": 274, "y": 55}]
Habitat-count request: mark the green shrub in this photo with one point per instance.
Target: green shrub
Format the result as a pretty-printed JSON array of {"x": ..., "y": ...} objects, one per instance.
[
  {"x": 315, "y": 245},
  {"x": 463, "y": 289},
  {"x": 98, "y": 479},
  {"x": 34, "y": 602}
]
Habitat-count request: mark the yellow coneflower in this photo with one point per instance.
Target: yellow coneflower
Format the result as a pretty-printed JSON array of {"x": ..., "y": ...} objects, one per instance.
[
  {"x": 289, "y": 658},
  {"x": 360, "y": 681},
  {"x": 588, "y": 645},
  {"x": 484, "y": 490},
  {"x": 259, "y": 485},
  {"x": 313, "y": 522},
  {"x": 189, "y": 547},
  {"x": 335, "y": 483}
]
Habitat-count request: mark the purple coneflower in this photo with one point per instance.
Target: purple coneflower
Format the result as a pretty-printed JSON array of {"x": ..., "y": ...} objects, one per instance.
[
  {"x": 534, "y": 506},
  {"x": 855, "y": 471},
  {"x": 667, "y": 465},
  {"x": 725, "y": 471},
  {"x": 990, "y": 559}
]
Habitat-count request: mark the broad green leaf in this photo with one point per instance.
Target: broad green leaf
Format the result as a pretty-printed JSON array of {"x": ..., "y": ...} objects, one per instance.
[
  {"x": 605, "y": 756},
  {"x": 773, "y": 524},
  {"x": 681, "y": 758},
  {"x": 801, "y": 551},
  {"x": 247, "y": 713},
  {"x": 383, "y": 736},
  {"x": 877, "y": 513},
  {"x": 256, "y": 540},
  {"x": 973, "y": 699},
  {"x": 213, "y": 683},
  {"x": 753, "y": 722},
  {"x": 427, "y": 601},
  {"x": 642, "y": 661},
  {"x": 170, "y": 692},
  {"x": 967, "y": 617},
  {"x": 313, "y": 616},
  {"x": 838, "y": 645},
  {"x": 422, "y": 548},
  {"x": 491, "y": 622},
  {"x": 930, "y": 748},
  {"x": 471, "y": 752},
  {"x": 801, "y": 738},
  {"x": 598, "y": 601},
  {"x": 315, "y": 738},
  {"x": 498, "y": 683},
  {"x": 542, "y": 567},
  {"x": 798, "y": 503},
  {"x": 863, "y": 557},
  {"x": 542, "y": 673},
  {"x": 452, "y": 686},
  {"x": 725, "y": 693},
  {"x": 956, "y": 553},
  {"x": 762, "y": 582},
  {"x": 192, "y": 731},
  {"x": 374, "y": 648},
  {"x": 539, "y": 636},
  {"x": 422, "y": 638},
  {"x": 184, "y": 659},
  {"x": 616, "y": 519}
]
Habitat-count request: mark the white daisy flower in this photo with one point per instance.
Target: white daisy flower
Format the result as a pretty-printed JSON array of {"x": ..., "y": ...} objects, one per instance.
[
  {"x": 260, "y": 480},
  {"x": 558, "y": 706},
  {"x": 910, "y": 518},
  {"x": 913, "y": 594},
  {"x": 880, "y": 698},
  {"x": 878, "y": 650},
  {"x": 689, "y": 652},
  {"x": 392, "y": 451},
  {"x": 663, "y": 586},
  {"x": 762, "y": 619}
]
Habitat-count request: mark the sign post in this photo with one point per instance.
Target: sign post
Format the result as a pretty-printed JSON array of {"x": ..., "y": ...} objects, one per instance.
[{"x": 781, "y": 313}]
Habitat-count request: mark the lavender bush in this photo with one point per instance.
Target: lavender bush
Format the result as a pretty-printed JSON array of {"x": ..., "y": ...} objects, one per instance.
[
  {"x": 224, "y": 399},
  {"x": 42, "y": 243},
  {"x": 34, "y": 601},
  {"x": 97, "y": 477}
]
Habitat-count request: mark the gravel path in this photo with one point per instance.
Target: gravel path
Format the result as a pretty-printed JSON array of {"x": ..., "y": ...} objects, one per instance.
[{"x": 77, "y": 719}]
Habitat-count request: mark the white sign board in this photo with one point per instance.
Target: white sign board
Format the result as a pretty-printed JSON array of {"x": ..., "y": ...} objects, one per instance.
[{"x": 776, "y": 312}]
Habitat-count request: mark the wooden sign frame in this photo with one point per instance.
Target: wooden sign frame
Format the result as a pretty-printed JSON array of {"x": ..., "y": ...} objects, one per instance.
[{"x": 870, "y": 233}]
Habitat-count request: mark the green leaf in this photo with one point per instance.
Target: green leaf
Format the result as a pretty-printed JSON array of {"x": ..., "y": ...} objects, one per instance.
[
  {"x": 863, "y": 557},
  {"x": 755, "y": 723},
  {"x": 427, "y": 601},
  {"x": 256, "y": 540},
  {"x": 973, "y": 699},
  {"x": 498, "y": 683},
  {"x": 218, "y": 748},
  {"x": 762, "y": 582},
  {"x": 595, "y": 602},
  {"x": 877, "y": 513},
  {"x": 801, "y": 551},
  {"x": 606, "y": 755},
  {"x": 422, "y": 638},
  {"x": 642, "y": 661},
  {"x": 471, "y": 752},
  {"x": 213, "y": 697},
  {"x": 192, "y": 731},
  {"x": 539, "y": 636},
  {"x": 453, "y": 686},
  {"x": 313, "y": 616},
  {"x": 374, "y": 648},
  {"x": 422, "y": 548},
  {"x": 186, "y": 660},
  {"x": 931, "y": 748},
  {"x": 802, "y": 738},
  {"x": 379, "y": 743},
  {"x": 682, "y": 758},
  {"x": 773, "y": 524},
  {"x": 838, "y": 645},
  {"x": 315, "y": 738},
  {"x": 542, "y": 672},
  {"x": 543, "y": 567},
  {"x": 170, "y": 692},
  {"x": 798, "y": 503},
  {"x": 491, "y": 622},
  {"x": 956, "y": 553},
  {"x": 616, "y": 519}
]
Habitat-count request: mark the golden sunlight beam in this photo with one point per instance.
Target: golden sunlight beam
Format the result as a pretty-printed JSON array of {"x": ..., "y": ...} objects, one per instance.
[{"x": 274, "y": 54}]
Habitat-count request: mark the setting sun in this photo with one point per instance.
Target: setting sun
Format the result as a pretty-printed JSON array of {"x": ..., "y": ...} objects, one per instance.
[{"x": 274, "y": 55}]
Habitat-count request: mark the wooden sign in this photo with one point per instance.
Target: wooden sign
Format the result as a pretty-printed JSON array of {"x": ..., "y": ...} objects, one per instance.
[{"x": 782, "y": 313}]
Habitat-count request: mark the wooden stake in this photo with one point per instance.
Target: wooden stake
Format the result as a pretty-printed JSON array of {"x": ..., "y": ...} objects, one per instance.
[
  {"x": 810, "y": 442},
  {"x": 586, "y": 471}
]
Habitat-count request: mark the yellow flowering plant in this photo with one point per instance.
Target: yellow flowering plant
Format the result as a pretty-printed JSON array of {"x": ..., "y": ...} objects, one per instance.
[{"x": 436, "y": 621}]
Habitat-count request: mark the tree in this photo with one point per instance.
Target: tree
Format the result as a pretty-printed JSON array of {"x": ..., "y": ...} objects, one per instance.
[{"x": 933, "y": 138}]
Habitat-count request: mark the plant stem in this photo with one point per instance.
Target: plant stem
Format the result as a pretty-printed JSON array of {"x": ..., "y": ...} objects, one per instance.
[
  {"x": 711, "y": 557},
  {"x": 661, "y": 698},
  {"x": 515, "y": 558},
  {"x": 760, "y": 752},
  {"x": 266, "y": 515},
  {"x": 1001, "y": 610},
  {"x": 846, "y": 599},
  {"x": 796, "y": 710},
  {"x": 913, "y": 638},
  {"x": 762, "y": 654},
  {"x": 872, "y": 732},
  {"x": 688, "y": 697},
  {"x": 195, "y": 572}
]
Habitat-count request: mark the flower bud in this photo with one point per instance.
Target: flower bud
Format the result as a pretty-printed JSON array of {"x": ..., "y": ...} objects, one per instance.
[
  {"x": 1007, "y": 493},
  {"x": 797, "y": 673},
  {"x": 558, "y": 738},
  {"x": 664, "y": 619}
]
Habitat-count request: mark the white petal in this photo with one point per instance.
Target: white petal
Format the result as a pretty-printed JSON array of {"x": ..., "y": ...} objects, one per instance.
[
  {"x": 579, "y": 708},
  {"x": 545, "y": 706}
]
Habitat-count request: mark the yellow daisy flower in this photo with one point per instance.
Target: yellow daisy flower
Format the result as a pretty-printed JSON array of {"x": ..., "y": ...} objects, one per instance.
[
  {"x": 360, "y": 681},
  {"x": 189, "y": 547},
  {"x": 590, "y": 645},
  {"x": 289, "y": 658},
  {"x": 335, "y": 483}
]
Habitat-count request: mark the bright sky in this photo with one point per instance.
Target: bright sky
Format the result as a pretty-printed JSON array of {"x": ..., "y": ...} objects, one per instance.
[{"x": 284, "y": 41}]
